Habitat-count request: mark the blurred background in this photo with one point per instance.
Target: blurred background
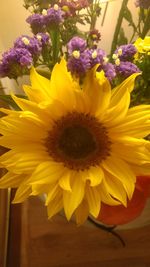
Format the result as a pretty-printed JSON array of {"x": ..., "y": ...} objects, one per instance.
[{"x": 13, "y": 24}]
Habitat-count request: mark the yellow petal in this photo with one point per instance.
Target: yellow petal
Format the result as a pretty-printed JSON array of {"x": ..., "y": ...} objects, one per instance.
[
  {"x": 141, "y": 170},
  {"x": 27, "y": 105},
  {"x": 115, "y": 189},
  {"x": 22, "y": 161},
  {"x": 134, "y": 154},
  {"x": 62, "y": 87},
  {"x": 47, "y": 173},
  {"x": 82, "y": 102},
  {"x": 98, "y": 89},
  {"x": 136, "y": 130},
  {"x": 138, "y": 111},
  {"x": 95, "y": 175},
  {"x": 104, "y": 94},
  {"x": 38, "y": 189},
  {"x": 53, "y": 192},
  {"x": 93, "y": 198},
  {"x": 82, "y": 212},
  {"x": 9, "y": 159},
  {"x": 64, "y": 181},
  {"x": 131, "y": 141},
  {"x": 22, "y": 193},
  {"x": 55, "y": 206},
  {"x": 73, "y": 199},
  {"x": 136, "y": 117},
  {"x": 106, "y": 196},
  {"x": 116, "y": 114},
  {"x": 121, "y": 170},
  {"x": 126, "y": 86},
  {"x": 22, "y": 127},
  {"x": 11, "y": 180},
  {"x": 8, "y": 111},
  {"x": 41, "y": 84},
  {"x": 36, "y": 94}
]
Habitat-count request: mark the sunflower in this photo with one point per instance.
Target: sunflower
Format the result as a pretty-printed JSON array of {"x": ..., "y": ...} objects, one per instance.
[{"x": 80, "y": 145}]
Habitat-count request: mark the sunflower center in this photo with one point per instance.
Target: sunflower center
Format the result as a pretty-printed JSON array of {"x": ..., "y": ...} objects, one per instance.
[{"x": 78, "y": 140}]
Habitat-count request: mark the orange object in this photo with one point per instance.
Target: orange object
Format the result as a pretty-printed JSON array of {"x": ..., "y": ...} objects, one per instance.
[{"x": 117, "y": 215}]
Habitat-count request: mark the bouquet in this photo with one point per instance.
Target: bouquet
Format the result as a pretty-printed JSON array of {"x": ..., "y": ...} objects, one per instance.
[{"x": 79, "y": 134}]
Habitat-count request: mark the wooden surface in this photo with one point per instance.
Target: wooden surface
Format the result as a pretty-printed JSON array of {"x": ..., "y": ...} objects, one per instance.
[
  {"x": 57, "y": 243},
  {"x": 4, "y": 225}
]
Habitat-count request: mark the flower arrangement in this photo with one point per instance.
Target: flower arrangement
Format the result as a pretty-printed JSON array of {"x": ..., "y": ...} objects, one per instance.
[{"x": 79, "y": 133}]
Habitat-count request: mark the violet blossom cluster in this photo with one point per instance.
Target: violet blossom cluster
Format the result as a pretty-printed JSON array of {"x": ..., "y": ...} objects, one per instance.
[
  {"x": 94, "y": 35},
  {"x": 126, "y": 68},
  {"x": 71, "y": 6},
  {"x": 36, "y": 23},
  {"x": 26, "y": 50},
  {"x": 143, "y": 3},
  {"x": 50, "y": 18},
  {"x": 123, "y": 57},
  {"x": 126, "y": 52},
  {"x": 15, "y": 62},
  {"x": 81, "y": 59},
  {"x": 30, "y": 43}
]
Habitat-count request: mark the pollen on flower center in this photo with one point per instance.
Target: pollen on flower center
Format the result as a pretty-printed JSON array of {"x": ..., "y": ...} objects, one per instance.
[{"x": 78, "y": 140}]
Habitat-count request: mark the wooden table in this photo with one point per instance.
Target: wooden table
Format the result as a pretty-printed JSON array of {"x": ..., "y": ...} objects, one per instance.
[{"x": 57, "y": 243}]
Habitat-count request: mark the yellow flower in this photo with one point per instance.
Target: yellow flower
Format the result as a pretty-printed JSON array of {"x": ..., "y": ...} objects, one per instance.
[
  {"x": 78, "y": 147},
  {"x": 143, "y": 45}
]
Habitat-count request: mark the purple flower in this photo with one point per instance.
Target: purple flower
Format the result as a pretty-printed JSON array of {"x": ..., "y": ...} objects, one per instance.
[
  {"x": 76, "y": 44},
  {"x": 143, "y": 3},
  {"x": 36, "y": 23},
  {"x": 109, "y": 70},
  {"x": 71, "y": 6},
  {"x": 78, "y": 63},
  {"x": 53, "y": 16},
  {"x": 43, "y": 38},
  {"x": 126, "y": 52},
  {"x": 29, "y": 43},
  {"x": 125, "y": 69},
  {"x": 15, "y": 62},
  {"x": 45, "y": 44},
  {"x": 95, "y": 35},
  {"x": 96, "y": 56}
]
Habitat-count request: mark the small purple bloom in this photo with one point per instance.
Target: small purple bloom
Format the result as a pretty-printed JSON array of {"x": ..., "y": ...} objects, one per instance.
[
  {"x": 71, "y": 6},
  {"x": 126, "y": 68},
  {"x": 96, "y": 56},
  {"x": 43, "y": 38},
  {"x": 36, "y": 23},
  {"x": 29, "y": 43},
  {"x": 53, "y": 16},
  {"x": 78, "y": 63},
  {"x": 76, "y": 43},
  {"x": 126, "y": 52},
  {"x": 95, "y": 35},
  {"x": 109, "y": 70},
  {"x": 143, "y": 3},
  {"x": 15, "y": 62}
]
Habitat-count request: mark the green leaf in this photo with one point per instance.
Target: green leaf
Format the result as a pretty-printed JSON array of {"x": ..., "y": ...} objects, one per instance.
[
  {"x": 128, "y": 16},
  {"x": 8, "y": 100},
  {"x": 122, "y": 39}
]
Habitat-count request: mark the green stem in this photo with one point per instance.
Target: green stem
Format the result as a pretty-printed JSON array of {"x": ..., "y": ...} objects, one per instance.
[
  {"x": 55, "y": 38},
  {"x": 105, "y": 11},
  {"x": 43, "y": 72},
  {"x": 93, "y": 14},
  {"x": 93, "y": 17},
  {"x": 146, "y": 27},
  {"x": 118, "y": 26}
]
